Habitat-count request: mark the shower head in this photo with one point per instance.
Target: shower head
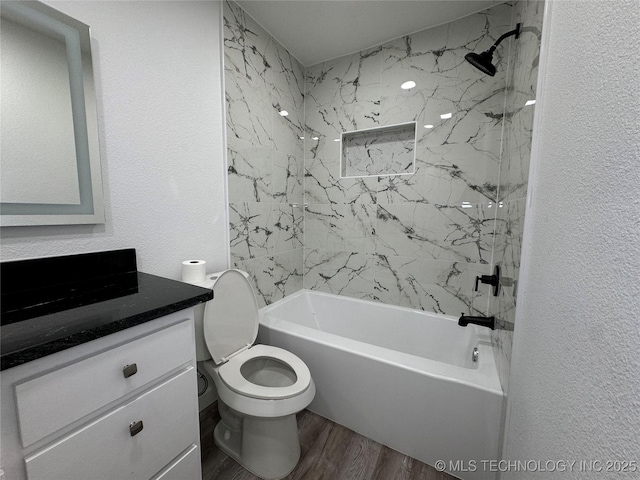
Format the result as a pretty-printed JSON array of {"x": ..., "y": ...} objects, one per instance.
[{"x": 484, "y": 61}]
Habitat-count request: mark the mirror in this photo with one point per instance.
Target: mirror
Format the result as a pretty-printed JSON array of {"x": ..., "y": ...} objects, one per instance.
[{"x": 50, "y": 170}]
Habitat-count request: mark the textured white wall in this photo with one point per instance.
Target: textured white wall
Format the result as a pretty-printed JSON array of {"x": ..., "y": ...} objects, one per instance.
[
  {"x": 158, "y": 83},
  {"x": 575, "y": 376}
]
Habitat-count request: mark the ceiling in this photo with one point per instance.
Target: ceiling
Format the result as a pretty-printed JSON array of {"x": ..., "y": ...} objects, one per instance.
[{"x": 317, "y": 30}]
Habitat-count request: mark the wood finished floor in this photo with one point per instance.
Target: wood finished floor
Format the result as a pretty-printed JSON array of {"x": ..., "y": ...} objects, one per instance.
[{"x": 328, "y": 452}]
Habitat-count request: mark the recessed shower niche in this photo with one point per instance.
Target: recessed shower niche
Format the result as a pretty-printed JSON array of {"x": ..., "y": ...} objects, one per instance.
[{"x": 378, "y": 151}]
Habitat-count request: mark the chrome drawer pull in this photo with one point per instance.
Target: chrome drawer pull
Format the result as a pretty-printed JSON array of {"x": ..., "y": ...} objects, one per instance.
[
  {"x": 129, "y": 370},
  {"x": 135, "y": 428}
]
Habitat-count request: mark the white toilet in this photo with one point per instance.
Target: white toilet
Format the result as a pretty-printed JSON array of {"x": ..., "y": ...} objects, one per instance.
[{"x": 260, "y": 388}]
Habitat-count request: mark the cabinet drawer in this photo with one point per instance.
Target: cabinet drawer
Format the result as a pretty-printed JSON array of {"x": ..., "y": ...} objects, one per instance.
[
  {"x": 186, "y": 467},
  {"x": 106, "y": 449},
  {"x": 50, "y": 402}
]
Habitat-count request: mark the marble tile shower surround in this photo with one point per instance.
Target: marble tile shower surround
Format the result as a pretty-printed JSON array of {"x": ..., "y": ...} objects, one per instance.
[
  {"x": 265, "y": 156},
  {"x": 522, "y": 76},
  {"x": 408, "y": 240}
]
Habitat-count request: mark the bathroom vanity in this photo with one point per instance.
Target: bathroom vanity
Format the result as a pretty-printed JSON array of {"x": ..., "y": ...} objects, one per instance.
[{"x": 103, "y": 389}]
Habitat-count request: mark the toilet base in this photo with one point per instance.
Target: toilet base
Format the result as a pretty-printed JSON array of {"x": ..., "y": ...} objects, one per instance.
[{"x": 267, "y": 447}]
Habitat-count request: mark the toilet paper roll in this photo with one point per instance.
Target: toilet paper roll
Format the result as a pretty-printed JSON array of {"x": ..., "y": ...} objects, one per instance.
[{"x": 194, "y": 271}]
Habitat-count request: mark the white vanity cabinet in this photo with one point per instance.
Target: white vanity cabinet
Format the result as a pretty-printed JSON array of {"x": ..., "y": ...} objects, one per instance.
[{"x": 124, "y": 406}]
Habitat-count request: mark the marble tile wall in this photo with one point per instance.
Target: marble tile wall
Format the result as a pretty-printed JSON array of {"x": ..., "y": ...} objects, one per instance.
[
  {"x": 264, "y": 155},
  {"x": 522, "y": 76},
  {"x": 412, "y": 240}
]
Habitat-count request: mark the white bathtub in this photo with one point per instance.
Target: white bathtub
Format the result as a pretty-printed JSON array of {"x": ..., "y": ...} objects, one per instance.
[{"x": 402, "y": 377}]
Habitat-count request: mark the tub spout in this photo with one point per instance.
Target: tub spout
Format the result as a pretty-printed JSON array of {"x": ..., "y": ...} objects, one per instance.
[{"x": 489, "y": 322}]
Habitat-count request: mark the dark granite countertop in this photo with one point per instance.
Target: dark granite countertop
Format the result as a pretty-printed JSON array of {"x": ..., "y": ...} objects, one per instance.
[{"x": 125, "y": 299}]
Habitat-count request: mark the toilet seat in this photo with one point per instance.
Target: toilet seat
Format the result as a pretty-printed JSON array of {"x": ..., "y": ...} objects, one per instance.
[
  {"x": 230, "y": 327},
  {"x": 231, "y": 375}
]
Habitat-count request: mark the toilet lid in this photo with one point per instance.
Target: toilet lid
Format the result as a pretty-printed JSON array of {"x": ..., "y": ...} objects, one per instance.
[{"x": 231, "y": 318}]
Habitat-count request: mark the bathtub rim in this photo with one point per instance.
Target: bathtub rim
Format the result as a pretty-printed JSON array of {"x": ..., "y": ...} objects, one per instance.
[{"x": 484, "y": 377}]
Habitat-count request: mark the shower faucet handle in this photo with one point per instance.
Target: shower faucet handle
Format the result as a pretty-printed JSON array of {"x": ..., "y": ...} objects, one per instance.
[
  {"x": 488, "y": 279},
  {"x": 493, "y": 280}
]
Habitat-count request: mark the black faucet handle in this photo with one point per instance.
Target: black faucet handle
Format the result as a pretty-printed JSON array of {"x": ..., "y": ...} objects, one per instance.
[
  {"x": 493, "y": 280},
  {"x": 488, "y": 279}
]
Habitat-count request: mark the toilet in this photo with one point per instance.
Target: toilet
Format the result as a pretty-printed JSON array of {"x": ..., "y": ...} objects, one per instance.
[{"x": 260, "y": 387}]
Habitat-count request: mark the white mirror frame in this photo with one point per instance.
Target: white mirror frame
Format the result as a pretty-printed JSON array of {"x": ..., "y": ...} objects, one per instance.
[{"x": 85, "y": 122}]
